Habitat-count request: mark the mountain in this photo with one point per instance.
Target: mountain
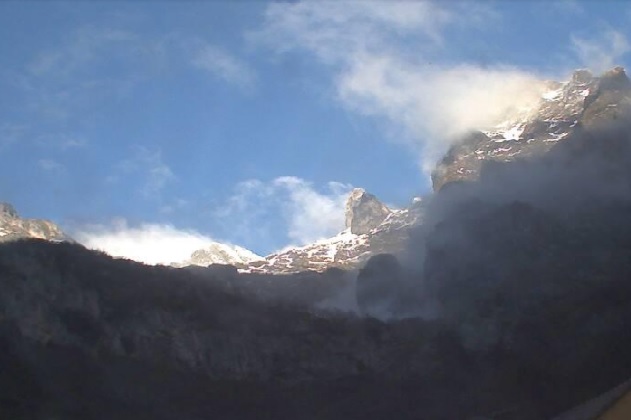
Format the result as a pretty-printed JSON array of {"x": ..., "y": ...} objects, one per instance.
[
  {"x": 13, "y": 227},
  {"x": 371, "y": 228},
  {"x": 219, "y": 253},
  {"x": 520, "y": 309},
  {"x": 564, "y": 107}
]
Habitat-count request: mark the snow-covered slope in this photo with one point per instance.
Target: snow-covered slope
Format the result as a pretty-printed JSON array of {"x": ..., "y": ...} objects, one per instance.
[{"x": 218, "y": 253}]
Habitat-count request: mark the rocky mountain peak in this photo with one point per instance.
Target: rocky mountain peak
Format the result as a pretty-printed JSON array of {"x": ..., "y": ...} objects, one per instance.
[
  {"x": 582, "y": 101},
  {"x": 615, "y": 79},
  {"x": 12, "y": 227},
  {"x": 371, "y": 229},
  {"x": 8, "y": 210},
  {"x": 364, "y": 212},
  {"x": 581, "y": 76}
]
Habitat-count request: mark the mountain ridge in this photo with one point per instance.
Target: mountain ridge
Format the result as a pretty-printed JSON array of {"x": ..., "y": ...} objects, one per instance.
[
  {"x": 582, "y": 101},
  {"x": 13, "y": 227}
]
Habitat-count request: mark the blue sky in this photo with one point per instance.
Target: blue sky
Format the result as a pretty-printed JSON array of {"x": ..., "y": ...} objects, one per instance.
[{"x": 248, "y": 122}]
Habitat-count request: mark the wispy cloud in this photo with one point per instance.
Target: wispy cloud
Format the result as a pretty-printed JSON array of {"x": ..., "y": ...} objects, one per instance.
[
  {"x": 379, "y": 51},
  {"x": 88, "y": 66},
  {"x": 50, "y": 165},
  {"x": 148, "y": 243},
  {"x": 11, "y": 134},
  {"x": 307, "y": 213},
  {"x": 224, "y": 65},
  {"x": 72, "y": 142},
  {"x": 603, "y": 51},
  {"x": 568, "y": 6},
  {"x": 335, "y": 30},
  {"x": 435, "y": 108},
  {"x": 147, "y": 165},
  {"x": 86, "y": 46},
  {"x": 95, "y": 64}
]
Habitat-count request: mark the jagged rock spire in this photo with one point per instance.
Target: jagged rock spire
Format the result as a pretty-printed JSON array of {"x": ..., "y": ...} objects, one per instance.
[{"x": 364, "y": 211}]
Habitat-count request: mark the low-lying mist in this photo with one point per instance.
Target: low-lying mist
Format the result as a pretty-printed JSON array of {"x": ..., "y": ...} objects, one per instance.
[{"x": 526, "y": 232}]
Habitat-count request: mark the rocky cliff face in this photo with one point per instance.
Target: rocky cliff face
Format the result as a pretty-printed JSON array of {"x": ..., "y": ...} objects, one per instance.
[
  {"x": 13, "y": 227},
  {"x": 86, "y": 336},
  {"x": 564, "y": 107}
]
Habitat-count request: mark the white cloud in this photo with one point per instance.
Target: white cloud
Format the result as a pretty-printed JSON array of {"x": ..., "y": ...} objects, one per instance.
[
  {"x": 435, "y": 107},
  {"x": 602, "y": 52},
  {"x": 379, "y": 52},
  {"x": 224, "y": 66},
  {"x": 333, "y": 30},
  {"x": 148, "y": 243},
  {"x": 306, "y": 214},
  {"x": 312, "y": 215}
]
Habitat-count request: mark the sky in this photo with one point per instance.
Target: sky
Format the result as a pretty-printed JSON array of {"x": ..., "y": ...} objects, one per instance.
[{"x": 166, "y": 125}]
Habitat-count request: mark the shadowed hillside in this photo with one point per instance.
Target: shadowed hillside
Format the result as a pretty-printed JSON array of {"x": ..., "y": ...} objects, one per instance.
[{"x": 512, "y": 302}]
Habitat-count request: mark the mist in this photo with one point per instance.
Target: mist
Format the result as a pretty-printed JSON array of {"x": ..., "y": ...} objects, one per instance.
[
  {"x": 526, "y": 233},
  {"x": 436, "y": 106},
  {"x": 147, "y": 243}
]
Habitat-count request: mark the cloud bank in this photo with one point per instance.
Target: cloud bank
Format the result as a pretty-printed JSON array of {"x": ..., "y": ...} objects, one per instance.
[{"x": 147, "y": 243}]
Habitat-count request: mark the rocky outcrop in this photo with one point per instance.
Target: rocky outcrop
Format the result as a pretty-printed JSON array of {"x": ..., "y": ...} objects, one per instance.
[
  {"x": 364, "y": 212},
  {"x": 13, "y": 227},
  {"x": 583, "y": 101}
]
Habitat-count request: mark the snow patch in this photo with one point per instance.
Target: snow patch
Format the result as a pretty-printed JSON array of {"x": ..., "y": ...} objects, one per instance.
[{"x": 552, "y": 94}]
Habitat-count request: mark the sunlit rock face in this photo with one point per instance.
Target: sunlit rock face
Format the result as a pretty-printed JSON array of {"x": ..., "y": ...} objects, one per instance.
[
  {"x": 564, "y": 107},
  {"x": 13, "y": 227},
  {"x": 364, "y": 212}
]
